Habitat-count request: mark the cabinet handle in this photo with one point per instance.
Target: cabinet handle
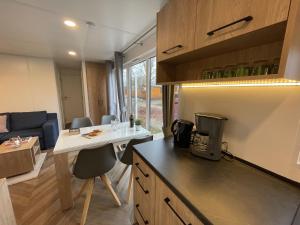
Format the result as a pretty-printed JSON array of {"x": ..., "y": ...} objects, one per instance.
[
  {"x": 246, "y": 19},
  {"x": 137, "y": 180},
  {"x": 173, "y": 49},
  {"x": 137, "y": 207},
  {"x": 167, "y": 201},
  {"x": 145, "y": 174}
]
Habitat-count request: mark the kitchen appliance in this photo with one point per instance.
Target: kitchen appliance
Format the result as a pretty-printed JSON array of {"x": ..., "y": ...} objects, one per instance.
[
  {"x": 207, "y": 139},
  {"x": 182, "y": 132}
]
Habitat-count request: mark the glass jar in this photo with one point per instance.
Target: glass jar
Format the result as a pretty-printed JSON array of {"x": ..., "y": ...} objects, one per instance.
[
  {"x": 229, "y": 71},
  {"x": 260, "y": 67},
  {"x": 275, "y": 66},
  {"x": 242, "y": 70},
  {"x": 217, "y": 73}
]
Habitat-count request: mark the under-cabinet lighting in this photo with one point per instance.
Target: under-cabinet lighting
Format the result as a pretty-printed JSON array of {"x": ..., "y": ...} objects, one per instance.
[{"x": 263, "y": 83}]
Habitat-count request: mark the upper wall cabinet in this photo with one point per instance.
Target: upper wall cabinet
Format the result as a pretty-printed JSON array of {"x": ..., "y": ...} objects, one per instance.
[
  {"x": 218, "y": 20},
  {"x": 176, "y": 28},
  {"x": 234, "y": 40}
]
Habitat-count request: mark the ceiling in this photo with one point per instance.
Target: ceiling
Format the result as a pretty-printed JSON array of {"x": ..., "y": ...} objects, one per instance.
[{"x": 35, "y": 27}]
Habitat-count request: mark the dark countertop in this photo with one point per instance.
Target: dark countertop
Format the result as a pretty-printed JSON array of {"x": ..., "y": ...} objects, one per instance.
[{"x": 222, "y": 192}]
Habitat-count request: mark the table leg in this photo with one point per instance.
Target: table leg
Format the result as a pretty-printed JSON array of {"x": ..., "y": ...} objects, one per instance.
[{"x": 63, "y": 177}]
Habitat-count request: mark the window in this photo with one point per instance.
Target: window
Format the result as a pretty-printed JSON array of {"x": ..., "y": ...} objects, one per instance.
[
  {"x": 156, "y": 114},
  {"x": 145, "y": 100},
  {"x": 139, "y": 92}
]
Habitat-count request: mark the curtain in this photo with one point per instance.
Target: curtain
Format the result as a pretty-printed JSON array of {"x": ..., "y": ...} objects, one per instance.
[
  {"x": 111, "y": 89},
  {"x": 167, "y": 102},
  {"x": 120, "y": 85}
]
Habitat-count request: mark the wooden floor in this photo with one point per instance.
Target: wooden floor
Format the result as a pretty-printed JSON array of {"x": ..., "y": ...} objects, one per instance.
[{"x": 36, "y": 201}]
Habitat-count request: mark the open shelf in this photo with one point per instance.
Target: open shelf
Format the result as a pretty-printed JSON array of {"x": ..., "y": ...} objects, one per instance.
[{"x": 196, "y": 70}]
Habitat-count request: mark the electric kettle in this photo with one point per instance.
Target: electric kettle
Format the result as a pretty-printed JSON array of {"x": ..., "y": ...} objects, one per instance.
[{"x": 182, "y": 131}]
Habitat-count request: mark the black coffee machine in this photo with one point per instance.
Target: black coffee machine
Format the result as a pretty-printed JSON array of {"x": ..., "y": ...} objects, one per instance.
[
  {"x": 207, "y": 139},
  {"x": 182, "y": 132}
]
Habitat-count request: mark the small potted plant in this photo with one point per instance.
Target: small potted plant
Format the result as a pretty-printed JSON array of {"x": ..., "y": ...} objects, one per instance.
[{"x": 138, "y": 125}]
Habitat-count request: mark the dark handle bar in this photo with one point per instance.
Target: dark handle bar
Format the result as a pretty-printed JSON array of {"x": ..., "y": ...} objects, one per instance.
[
  {"x": 173, "y": 49},
  {"x": 246, "y": 19},
  {"x": 137, "y": 180},
  {"x": 137, "y": 207},
  {"x": 145, "y": 174},
  {"x": 167, "y": 200}
]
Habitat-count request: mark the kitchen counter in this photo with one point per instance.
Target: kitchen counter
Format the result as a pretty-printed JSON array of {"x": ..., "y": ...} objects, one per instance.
[{"x": 222, "y": 192}]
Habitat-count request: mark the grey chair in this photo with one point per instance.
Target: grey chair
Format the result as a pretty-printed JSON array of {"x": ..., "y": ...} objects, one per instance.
[
  {"x": 126, "y": 156},
  {"x": 81, "y": 122},
  {"x": 92, "y": 163},
  {"x": 106, "y": 119}
]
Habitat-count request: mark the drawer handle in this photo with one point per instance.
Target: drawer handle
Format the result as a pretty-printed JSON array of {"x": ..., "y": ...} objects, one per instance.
[
  {"x": 173, "y": 49},
  {"x": 137, "y": 207},
  {"x": 246, "y": 19},
  {"x": 167, "y": 200},
  {"x": 145, "y": 174},
  {"x": 137, "y": 180}
]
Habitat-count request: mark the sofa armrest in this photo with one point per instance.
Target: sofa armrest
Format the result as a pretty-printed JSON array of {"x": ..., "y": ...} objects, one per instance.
[{"x": 50, "y": 130}]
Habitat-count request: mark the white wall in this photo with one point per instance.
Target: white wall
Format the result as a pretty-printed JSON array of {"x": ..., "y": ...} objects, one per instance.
[
  {"x": 28, "y": 84},
  {"x": 263, "y": 122}
]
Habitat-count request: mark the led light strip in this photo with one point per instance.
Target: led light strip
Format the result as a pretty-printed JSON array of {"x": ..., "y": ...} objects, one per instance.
[{"x": 241, "y": 84}]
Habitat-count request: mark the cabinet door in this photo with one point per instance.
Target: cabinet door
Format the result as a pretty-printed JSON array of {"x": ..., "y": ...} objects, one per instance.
[
  {"x": 176, "y": 28},
  {"x": 144, "y": 192},
  {"x": 235, "y": 17},
  {"x": 170, "y": 210}
]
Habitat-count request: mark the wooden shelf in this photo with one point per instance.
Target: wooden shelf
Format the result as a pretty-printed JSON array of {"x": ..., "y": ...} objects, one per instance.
[{"x": 192, "y": 71}]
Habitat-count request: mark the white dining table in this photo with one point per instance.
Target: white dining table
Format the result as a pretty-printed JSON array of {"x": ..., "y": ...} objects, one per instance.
[{"x": 67, "y": 143}]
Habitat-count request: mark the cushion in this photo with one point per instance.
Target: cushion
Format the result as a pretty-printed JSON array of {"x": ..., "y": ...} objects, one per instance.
[
  {"x": 27, "y": 120},
  {"x": 23, "y": 133},
  {"x": 3, "y": 122},
  {"x": 7, "y": 120}
]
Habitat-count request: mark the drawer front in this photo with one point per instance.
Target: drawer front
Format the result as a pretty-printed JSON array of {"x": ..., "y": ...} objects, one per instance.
[
  {"x": 144, "y": 191},
  {"x": 170, "y": 210},
  {"x": 143, "y": 174}
]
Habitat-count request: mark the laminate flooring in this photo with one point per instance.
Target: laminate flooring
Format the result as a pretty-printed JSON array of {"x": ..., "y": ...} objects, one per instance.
[{"x": 36, "y": 201}]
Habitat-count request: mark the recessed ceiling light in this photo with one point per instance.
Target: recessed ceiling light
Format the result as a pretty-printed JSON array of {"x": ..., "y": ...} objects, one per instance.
[
  {"x": 72, "y": 53},
  {"x": 70, "y": 23}
]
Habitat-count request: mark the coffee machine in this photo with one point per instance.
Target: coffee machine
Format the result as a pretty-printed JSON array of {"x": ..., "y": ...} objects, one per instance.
[{"x": 207, "y": 139}]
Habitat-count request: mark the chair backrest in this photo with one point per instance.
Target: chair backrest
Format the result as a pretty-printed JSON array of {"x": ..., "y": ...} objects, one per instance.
[
  {"x": 81, "y": 122},
  {"x": 95, "y": 162},
  {"x": 106, "y": 119},
  {"x": 127, "y": 157}
]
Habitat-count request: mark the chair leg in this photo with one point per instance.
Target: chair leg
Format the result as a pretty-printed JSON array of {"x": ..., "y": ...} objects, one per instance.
[
  {"x": 129, "y": 186},
  {"x": 82, "y": 189},
  {"x": 90, "y": 187},
  {"x": 107, "y": 183},
  {"x": 122, "y": 174}
]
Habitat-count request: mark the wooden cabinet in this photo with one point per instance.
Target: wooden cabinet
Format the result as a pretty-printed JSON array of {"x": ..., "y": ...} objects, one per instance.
[
  {"x": 154, "y": 202},
  {"x": 218, "y": 20},
  {"x": 170, "y": 209},
  {"x": 176, "y": 28},
  {"x": 144, "y": 192},
  {"x": 234, "y": 41},
  {"x": 96, "y": 88}
]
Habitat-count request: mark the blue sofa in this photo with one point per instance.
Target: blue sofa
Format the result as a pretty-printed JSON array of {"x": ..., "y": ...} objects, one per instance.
[{"x": 25, "y": 124}]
